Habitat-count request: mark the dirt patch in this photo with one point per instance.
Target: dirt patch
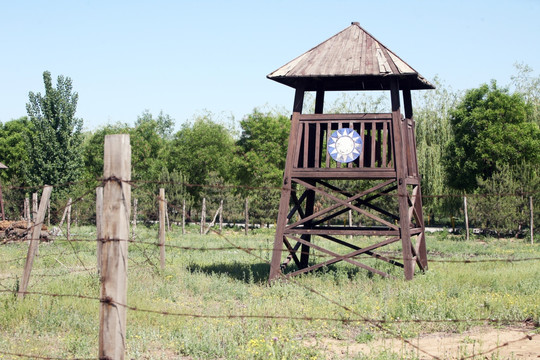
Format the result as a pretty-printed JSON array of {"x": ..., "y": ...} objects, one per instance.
[{"x": 478, "y": 343}]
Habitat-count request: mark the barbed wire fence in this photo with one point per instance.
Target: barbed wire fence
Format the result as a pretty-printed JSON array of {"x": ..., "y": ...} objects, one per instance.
[{"x": 354, "y": 316}]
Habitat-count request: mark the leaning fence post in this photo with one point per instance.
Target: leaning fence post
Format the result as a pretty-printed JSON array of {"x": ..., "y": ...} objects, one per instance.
[
  {"x": 116, "y": 216},
  {"x": 162, "y": 228},
  {"x": 34, "y": 241}
]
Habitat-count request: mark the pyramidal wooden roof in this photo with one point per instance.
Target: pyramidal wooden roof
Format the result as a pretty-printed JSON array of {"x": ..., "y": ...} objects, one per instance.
[{"x": 350, "y": 60}]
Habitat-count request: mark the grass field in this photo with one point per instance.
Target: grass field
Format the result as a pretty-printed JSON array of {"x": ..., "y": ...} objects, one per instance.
[{"x": 230, "y": 283}]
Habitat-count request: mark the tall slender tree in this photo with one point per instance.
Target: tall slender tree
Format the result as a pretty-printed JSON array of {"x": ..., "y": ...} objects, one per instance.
[{"x": 54, "y": 145}]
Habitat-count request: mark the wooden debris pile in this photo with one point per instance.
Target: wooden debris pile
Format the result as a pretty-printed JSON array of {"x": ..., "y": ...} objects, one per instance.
[{"x": 12, "y": 231}]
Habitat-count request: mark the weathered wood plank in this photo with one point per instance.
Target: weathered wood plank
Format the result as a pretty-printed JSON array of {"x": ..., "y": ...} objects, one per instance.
[{"x": 34, "y": 240}]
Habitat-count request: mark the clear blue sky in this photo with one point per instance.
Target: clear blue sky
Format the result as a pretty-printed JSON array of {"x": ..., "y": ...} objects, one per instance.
[{"x": 183, "y": 57}]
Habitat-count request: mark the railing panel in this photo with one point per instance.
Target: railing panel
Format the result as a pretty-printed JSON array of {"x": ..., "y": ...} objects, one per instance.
[{"x": 314, "y": 135}]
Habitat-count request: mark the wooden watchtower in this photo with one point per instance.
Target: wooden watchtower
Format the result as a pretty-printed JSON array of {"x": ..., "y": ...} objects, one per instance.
[{"x": 376, "y": 147}]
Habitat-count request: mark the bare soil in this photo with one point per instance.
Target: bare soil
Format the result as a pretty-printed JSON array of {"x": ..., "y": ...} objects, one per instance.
[{"x": 478, "y": 343}]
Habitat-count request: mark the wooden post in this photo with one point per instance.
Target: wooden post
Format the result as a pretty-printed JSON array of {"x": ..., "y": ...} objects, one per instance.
[
  {"x": 183, "y": 216},
  {"x": 203, "y": 215},
  {"x": 28, "y": 218},
  {"x": 49, "y": 213},
  {"x": 26, "y": 210},
  {"x": 162, "y": 227},
  {"x": 116, "y": 216},
  {"x": 246, "y": 228},
  {"x": 2, "y": 203},
  {"x": 99, "y": 225},
  {"x": 350, "y": 221},
  {"x": 281, "y": 223},
  {"x": 401, "y": 171},
  {"x": 34, "y": 241},
  {"x": 221, "y": 215},
  {"x": 134, "y": 222},
  {"x": 34, "y": 216},
  {"x": 466, "y": 217},
  {"x": 167, "y": 215},
  {"x": 532, "y": 219},
  {"x": 68, "y": 220}
]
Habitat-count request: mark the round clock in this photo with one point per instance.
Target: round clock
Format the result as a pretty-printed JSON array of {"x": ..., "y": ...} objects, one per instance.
[{"x": 344, "y": 145}]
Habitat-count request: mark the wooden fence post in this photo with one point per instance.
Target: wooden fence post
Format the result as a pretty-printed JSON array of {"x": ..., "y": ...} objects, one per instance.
[
  {"x": 465, "y": 211},
  {"x": 34, "y": 241},
  {"x": 68, "y": 220},
  {"x": 116, "y": 216},
  {"x": 221, "y": 216},
  {"x": 203, "y": 215},
  {"x": 134, "y": 222},
  {"x": 532, "y": 218},
  {"x": 34, "y": 214},
  {"x": 246, "y": 229},
  {"x": 162, "y": 227},
  {"x": 99, "y": 225},
  {"x": 2, "y": 204},
  {"x": 27, "y": 210},
  {"x": 183, "y": 216}
]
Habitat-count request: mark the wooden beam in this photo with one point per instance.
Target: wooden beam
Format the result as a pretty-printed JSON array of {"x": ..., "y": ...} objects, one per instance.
[
  {"x": 34, "y": 240},
  {"x": 400, "y": 159}
]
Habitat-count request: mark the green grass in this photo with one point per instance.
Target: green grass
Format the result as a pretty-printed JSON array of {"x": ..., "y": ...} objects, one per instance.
[{"x": 233, "y": 282}]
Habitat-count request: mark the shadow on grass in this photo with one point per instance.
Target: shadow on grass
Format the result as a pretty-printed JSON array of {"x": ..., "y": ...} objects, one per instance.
[
  {"x": 248, "y": 273},
  {"x": 258, "y": 273}
]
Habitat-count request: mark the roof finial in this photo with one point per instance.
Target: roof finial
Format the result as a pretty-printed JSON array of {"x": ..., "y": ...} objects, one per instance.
[{"x": 355, "y": 23}]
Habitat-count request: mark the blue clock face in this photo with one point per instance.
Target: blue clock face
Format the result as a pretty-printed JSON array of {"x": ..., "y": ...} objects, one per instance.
[{"x": 345, "y": 145}]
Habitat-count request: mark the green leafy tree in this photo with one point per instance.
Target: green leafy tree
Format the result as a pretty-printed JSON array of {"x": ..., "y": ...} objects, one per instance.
[
  {"x": 201, "y": 151},
  {"x": 14, "y": 136},
  {"x": 55, "y": 144},
  {"x": 433, "y": 130},
  {"x": 490, "y": 129},
  {"x": 262, "y": 150}
]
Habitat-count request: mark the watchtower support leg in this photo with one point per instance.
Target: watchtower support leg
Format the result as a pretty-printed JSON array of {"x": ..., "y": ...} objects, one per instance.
[{"x": 400, "y": 153}]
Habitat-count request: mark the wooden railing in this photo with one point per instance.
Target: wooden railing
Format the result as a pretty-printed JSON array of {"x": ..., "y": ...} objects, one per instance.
[{"x": 376, "y": 158}]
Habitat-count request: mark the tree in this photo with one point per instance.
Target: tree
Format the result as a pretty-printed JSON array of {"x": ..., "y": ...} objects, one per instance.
[
  {"x": 200, "y": 151},
  {"x": 490, "y": 129},
  {"x": 14, "y": 150},
  {"x": 262, "y": 150},
  {"x": 54, "y": 146},
  {"x": 433, "y": 131}
]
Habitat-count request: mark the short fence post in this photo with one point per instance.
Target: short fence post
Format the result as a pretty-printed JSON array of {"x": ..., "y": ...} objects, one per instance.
[
  {"x": 183, "y": 216},
  {"x": 246, "y": 229},
  {"x": 221, "y": 216},
  {"x": 68, "y": 220},
  {"x": 532, "y": 218},
  {"x": 162, "y": 227},
  {"x": 116, "y": 217},
  {"x": 34, "y": 241},
  {"x": 465, "y": 211},
  {"x": 99, "y": 225},
  {"x": 34, "y": 214},
  {"x": 203, "y": 215},
  {"x": 134, "y": 222},
  {"x": 2, "y": 204}
]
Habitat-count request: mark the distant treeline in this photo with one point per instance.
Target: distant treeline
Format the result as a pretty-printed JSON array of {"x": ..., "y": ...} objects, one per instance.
[{"x": 484, "y": 142}]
